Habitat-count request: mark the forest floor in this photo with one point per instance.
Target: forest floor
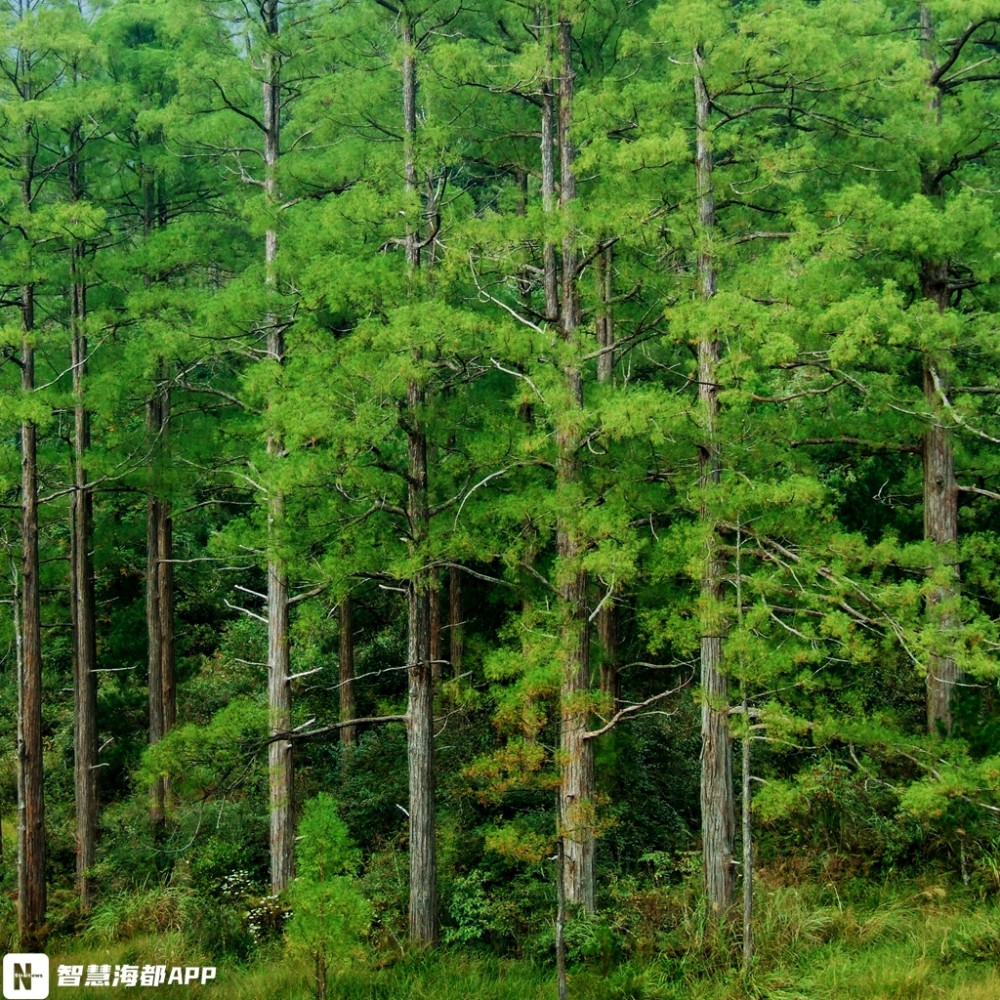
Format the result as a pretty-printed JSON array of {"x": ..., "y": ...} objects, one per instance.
[{"x": 866, "y": 941}]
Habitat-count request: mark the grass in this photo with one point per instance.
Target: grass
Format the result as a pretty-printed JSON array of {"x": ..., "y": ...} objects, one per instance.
[{"x": 856, "y": 941}]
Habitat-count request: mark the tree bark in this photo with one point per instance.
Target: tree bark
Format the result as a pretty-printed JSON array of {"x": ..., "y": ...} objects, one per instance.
[
  {"x": 576, "y": 764},
  {"x": 280, "y": 773},
  {"x": 436, "y": 647},
  {"x": 717, "y": 801},
  {"x": 423, "y": 923},
  {"x": 82, "y": 604},
  {"x": 345, "y": 644},
  {"x": 456, "y": 621},
  {"x": 31, "y": 882},
  {"x": 746, "y": 804},
  {"x": 940, "y": 491},
  {"x": 550, "y": 271},
  {"x": 154, "y": 655},
  {"x": 159, "y": 545},
  {"x": 32, "y": 872},
  {"x": 159, "y": 597},
  {"x": 165, "y": 585},
  {"x": 607, "y": 616}
]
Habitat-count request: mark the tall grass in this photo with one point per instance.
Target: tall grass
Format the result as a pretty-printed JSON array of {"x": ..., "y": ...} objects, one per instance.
[{"x": 858, "y": 941}]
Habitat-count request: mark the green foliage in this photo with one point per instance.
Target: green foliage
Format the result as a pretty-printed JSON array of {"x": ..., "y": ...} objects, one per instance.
[
  {"x": 212, "y": 758},
  {"x": 329, "y": 915}
]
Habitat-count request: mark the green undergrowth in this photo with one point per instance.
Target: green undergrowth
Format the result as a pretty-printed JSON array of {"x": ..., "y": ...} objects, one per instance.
[{"x": 854, "y": 941}]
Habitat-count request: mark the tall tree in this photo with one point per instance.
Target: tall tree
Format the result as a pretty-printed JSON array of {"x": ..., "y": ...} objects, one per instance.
[
  {"x": 279, "y": 689},
  {"x": 576, "y": 780},
  {"x": 23, "y": 68},
  {"x": 424, "y": 927},
  {"x": 82, "y": 602},
  {"x": 717, "y": 805}
]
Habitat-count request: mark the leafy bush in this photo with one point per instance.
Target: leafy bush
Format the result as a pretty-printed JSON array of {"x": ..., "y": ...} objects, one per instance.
[{"x": 330, "y": 917}]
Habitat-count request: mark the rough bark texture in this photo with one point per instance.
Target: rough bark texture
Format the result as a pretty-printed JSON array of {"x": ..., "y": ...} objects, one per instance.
[
  {"x": 154, "y": 656},
  {"x": 717, "y": 803},
  {"x": 747, "y": 818},
  {"x": 550, "y": 272},
  {"x": 940, "y": 494},
  {"x": 345, "y": 646},
  {"x": 279, "y": 697},
  {"x": 159, "y": 599},
  {"x": 31, "y": 813},
  {"x": 159, "y": 545},
  {"x": 436, "y": 647},
  {"x": 456, "y": 621},
  {"x": 82, "y": 608},
  {"x": 576, "y": 754},
  {"x": 940, "y": 491},
  {"x": 165, "y": 585},
  {"x": 420, "y": 758},
  {"x": 31, "y": 875},
  {"x": 607, "y": 616},
  {"x": 424, "y": 926},
  {"x": 420, "y": 698}
]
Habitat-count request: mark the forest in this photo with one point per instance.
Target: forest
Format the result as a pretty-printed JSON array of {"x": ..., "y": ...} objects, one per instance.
[{"x": 501, "y": 498}]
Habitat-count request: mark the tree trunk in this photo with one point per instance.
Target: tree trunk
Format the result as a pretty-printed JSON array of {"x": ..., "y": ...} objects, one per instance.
[
  {"x": 31, "y": 882},
  {"x": 717, "y": 804},
  {"x": 159, "y": 599},
  {"x": 280, "y": 775},
  {"x": 576, "y": 768},
  {"x": 159, "y": 546},
  {"x": 31, "y": 830},
  {"x": 747, "y": 817},
  {"x": 420, "y": 701},
  {"x": 607, "y": 616},
  {"x": 940, "y": 494},
  {"x": 550, "y": 273},
  {"x": 456, "y": 621},
  {"x": 154, "y": 655},
  {"x": 348, "y": 735},
  {"x": 434, "y": 597},
  {"x": 82, "y": 605},
  {"x": 940, "y": 491},
  {"x": 165, "y": 602},
  {"x": 420, "y": 758}
]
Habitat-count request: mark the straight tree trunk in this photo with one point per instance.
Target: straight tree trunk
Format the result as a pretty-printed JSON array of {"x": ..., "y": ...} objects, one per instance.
[
  {"x": 159, "y": 548},
  {"x": 165, "y": 602},
  {"x": 550, "y": 271},
  {"x": 607, "y": 616},
  {"x": 436, "y": 647},
  {"x": 280, "y": 774},
  {"x": 157, "y": 813},
  {"x": 424, "y": 928},
  {"x": 31, "y": 829},
  {"x": 576, "y": 768},
  {"x": 31, "y": 881},
  {"x": 940, "y": 491},
  {"x": 456, "y": 621},
  {"x": 82, "y": 605},
  {"x": 717, "y": 801},
  {"x": 345, "y": 643},
  {"x": 159, "y": 599},
  {"x": 420, "y": 731},
  {"x": 747, "y": 822}
]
